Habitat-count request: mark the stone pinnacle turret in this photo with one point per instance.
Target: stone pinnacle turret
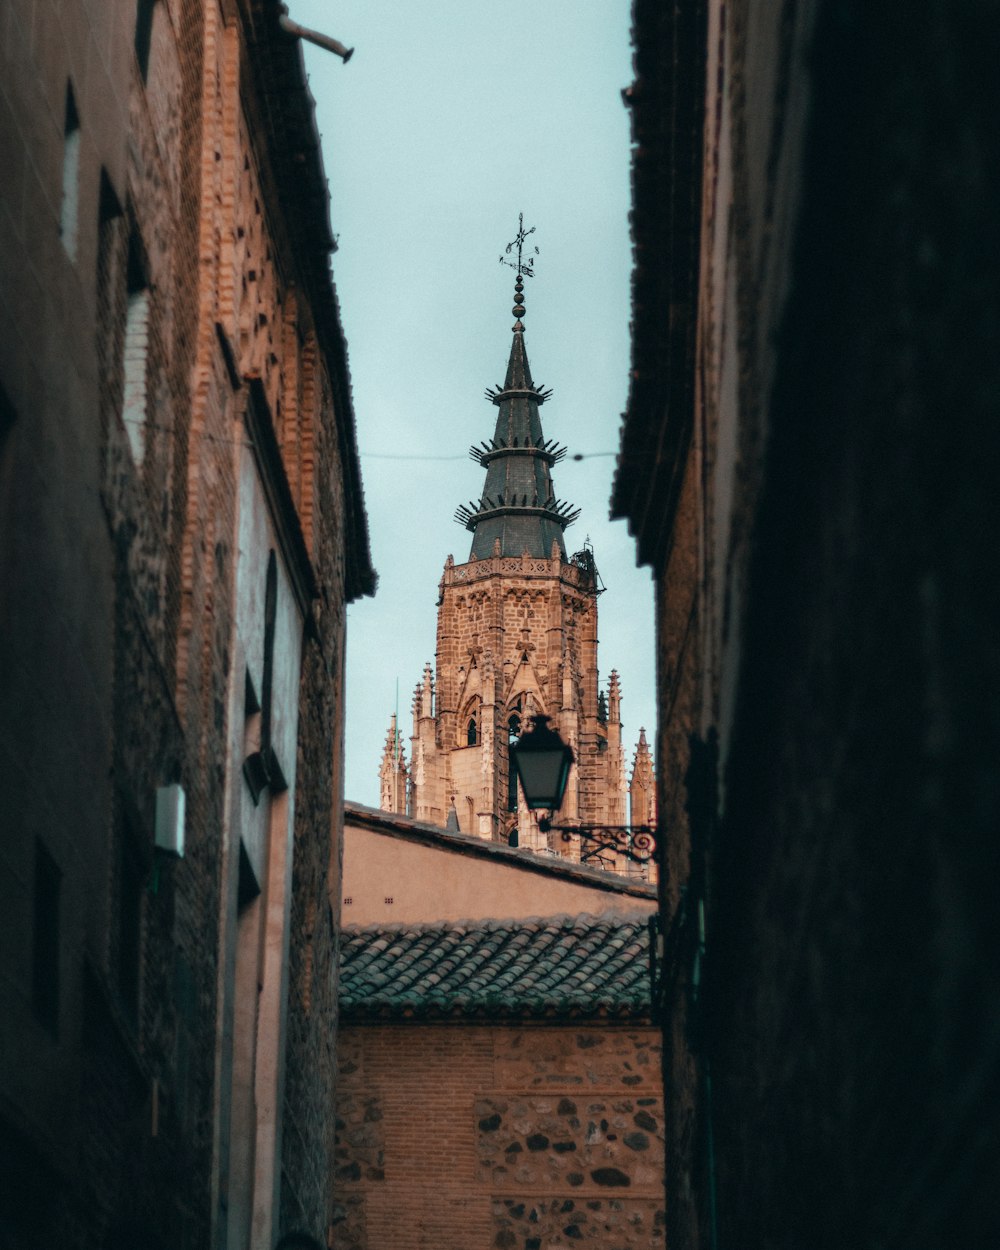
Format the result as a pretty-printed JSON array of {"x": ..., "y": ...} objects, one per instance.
[{"x": 642, "y": 786}]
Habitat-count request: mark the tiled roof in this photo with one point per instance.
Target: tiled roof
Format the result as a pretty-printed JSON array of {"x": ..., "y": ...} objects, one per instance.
[{"x": 534, "y": 968}]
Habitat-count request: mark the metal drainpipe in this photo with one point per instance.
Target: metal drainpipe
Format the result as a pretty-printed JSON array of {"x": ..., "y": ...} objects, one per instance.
[
  {"x": 313, "y": 36},
  {"x": 702, "y": 806},
  {"x": 713, "y": 1222}
]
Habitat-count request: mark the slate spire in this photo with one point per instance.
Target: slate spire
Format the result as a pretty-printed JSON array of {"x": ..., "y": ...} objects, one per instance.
[{"x": 518, "y": 506}]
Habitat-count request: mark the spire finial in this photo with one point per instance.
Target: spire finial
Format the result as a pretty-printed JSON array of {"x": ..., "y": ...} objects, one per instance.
[{"x": 524, "y": 268}]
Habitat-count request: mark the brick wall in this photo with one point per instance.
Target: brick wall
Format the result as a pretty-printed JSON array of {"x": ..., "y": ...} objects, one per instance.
[
  {"x": 460, "y": 1135},
  {"x": 118, "y": 518},
  {"x": 824, "y": 605},
  {"x": 106, "y": 1107}
]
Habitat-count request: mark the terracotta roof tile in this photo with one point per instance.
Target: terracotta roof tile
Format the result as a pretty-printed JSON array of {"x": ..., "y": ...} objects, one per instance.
[{"x": 535, "y": 967}]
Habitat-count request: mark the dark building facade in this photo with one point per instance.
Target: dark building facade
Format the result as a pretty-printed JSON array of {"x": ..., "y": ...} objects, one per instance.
[
  {"x": 809, "y": 463},
  {"x": 181, "y": 527}
]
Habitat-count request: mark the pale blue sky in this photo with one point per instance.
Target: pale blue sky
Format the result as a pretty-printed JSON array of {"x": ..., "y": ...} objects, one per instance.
[{"x": 452, "y": 117}]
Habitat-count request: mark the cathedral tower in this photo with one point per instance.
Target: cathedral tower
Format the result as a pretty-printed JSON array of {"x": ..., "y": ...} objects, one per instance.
[{"x": 516, "y": 635}]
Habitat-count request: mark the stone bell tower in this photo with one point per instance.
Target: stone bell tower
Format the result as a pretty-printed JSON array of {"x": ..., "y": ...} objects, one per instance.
[{"x": 516, "y": 635}]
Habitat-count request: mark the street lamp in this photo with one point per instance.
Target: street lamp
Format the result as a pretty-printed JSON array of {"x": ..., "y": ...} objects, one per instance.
[{"x": 542, "y": 762}]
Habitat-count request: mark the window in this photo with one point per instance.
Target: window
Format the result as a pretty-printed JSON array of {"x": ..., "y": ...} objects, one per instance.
[
  {"x": 45, "y": 944},
  {"x": 110, "y": 314},
  {"x": 260, "y": 765},
  {"x": 143, "y": 34},
  {"x": 471, "y": 733},
  {"x": 136, "y": 350},
  {"x": 254, "y": 768},
  {"x": 270, "y": 618},
  {"x": 513, "y": 733},
  {"x": 69, "y": 212}
]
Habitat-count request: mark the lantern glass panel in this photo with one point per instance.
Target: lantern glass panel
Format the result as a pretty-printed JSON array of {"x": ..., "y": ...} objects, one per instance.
[{"x": 543, "y": 776}]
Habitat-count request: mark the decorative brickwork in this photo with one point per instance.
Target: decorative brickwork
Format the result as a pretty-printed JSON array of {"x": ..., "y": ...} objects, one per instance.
[{"x": 501, "y": 1137}]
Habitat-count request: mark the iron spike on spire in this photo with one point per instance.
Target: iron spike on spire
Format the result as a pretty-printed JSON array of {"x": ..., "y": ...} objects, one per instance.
[{"x": 524, "y": 268}]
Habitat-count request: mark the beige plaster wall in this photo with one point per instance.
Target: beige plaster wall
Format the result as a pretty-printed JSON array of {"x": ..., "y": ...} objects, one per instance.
[{"x": 427, "y": 882}]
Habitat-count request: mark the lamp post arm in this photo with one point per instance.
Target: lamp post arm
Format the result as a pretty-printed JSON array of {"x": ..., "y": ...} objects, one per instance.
[{"x": 637, "y": 843}]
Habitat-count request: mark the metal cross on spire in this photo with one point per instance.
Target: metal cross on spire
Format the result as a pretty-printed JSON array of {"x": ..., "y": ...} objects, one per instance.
[{"x": 522, "y": 266}]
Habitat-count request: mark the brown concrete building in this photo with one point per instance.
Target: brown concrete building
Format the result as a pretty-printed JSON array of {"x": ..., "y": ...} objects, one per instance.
[
  {"x": 499, "y": 1086},
  {"x": 402, "y": 871},
  {"x": 181, "y": 525},
  {"x": 516, "y": 636},
  {"x": 809, "y": 464}
]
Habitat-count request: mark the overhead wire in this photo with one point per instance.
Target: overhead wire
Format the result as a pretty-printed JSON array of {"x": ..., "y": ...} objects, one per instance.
[{"x": 392, "y": 455}]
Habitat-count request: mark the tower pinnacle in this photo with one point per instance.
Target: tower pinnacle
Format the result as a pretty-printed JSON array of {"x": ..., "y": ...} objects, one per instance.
[
  {"x": 516, "y": 637},
  {"x": 518, "y": 506}
]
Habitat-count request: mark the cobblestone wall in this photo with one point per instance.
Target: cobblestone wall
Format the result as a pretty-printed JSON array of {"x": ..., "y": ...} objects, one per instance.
[{"x": 513, "y": 1138}]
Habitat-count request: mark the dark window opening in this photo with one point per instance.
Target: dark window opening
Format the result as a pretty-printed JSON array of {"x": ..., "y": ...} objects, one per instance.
[
  {"x": 45, "y": 944},
  {"x": 513, "y": 733},
  {"x": 110, "y": 327},
  {"x": 260, "y": 766},
  {"x": 270, "y": 615},
  {"x": 247, "y": 887},
  {"x": 254, "y": 770},
  {"x": 472, "y": 733},
  {"x": 143, "y": 34}
]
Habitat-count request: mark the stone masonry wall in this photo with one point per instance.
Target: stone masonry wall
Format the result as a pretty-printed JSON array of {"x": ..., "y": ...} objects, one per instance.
[
  {"x": 104, "y": 1105},
  {"x": 516, "y": 1138},
  {"x": 118, "y": 450},
  {"x": 829, "y": 604},
  {"x": 855, "y": 898},
  {"x": 509, "y": 629}
]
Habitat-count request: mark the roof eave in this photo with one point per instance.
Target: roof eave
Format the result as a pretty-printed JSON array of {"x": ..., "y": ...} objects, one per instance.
[
  {"x": 293, "y": 146},
  {"x": 667, "y": 110}
]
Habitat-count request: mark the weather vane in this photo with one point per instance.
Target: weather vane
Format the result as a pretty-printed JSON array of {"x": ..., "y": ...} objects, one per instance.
[{"x": 522, "y": 266}]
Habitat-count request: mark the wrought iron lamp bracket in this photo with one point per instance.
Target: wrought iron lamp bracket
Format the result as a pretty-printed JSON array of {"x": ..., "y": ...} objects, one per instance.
[{"x": 637, "y": 843}]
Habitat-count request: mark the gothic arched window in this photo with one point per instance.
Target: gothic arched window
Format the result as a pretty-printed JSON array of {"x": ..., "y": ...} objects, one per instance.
[
  {"x": 471, "y": 732},
  {"x": 513, "y": 733}
]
